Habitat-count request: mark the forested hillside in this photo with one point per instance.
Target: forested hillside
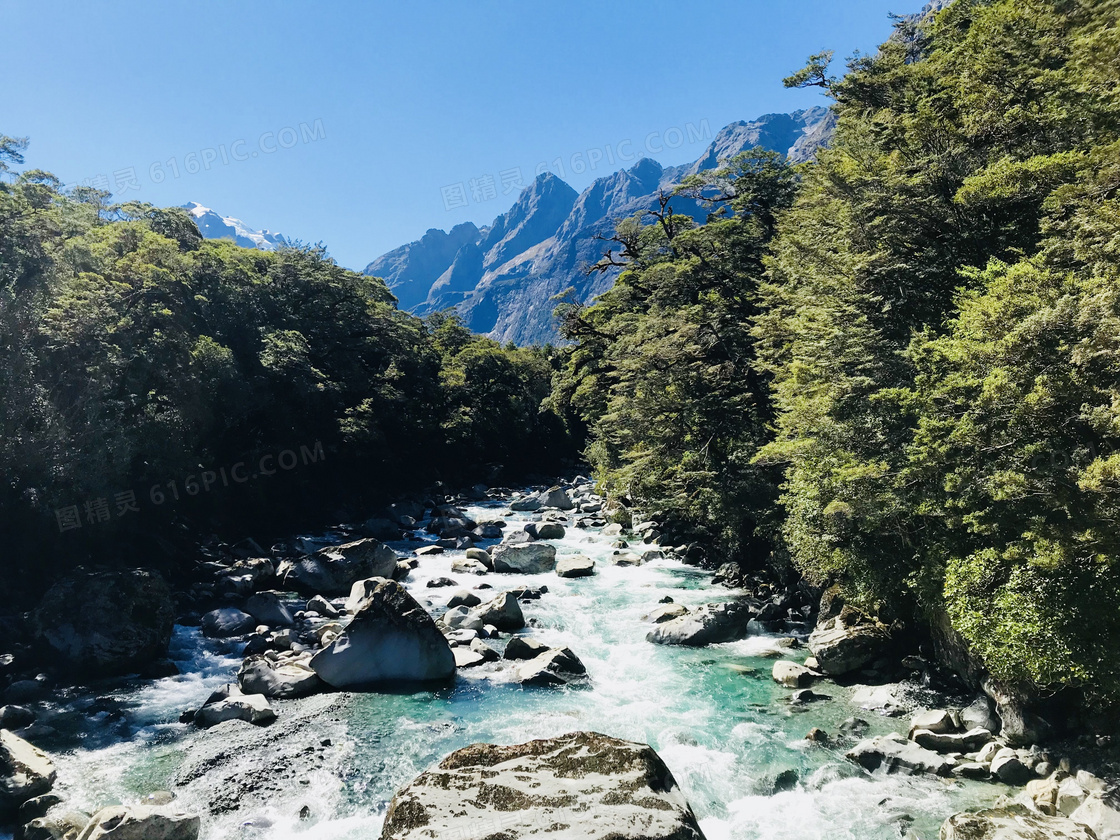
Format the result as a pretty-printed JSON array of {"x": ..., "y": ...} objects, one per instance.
[
  {"x": 141, "y": 364},
  {"x": 897, "y": 367}
]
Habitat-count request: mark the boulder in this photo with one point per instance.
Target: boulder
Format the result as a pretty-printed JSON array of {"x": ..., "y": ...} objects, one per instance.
[
  {"x": 936, "y": 720},
  {"x": 519, "y": 647},
  {"x": 556, "y": 497},
  {"x": 1011, "y": 823},
  {"x": 951, "y": 742},
  {"x": 334, "y": 570},
  {"x": 60, "y": 825},
  {"x": 529, "y": 503},
  {"x": 141, "y": 822},
  {"x": 1100, "y": 813},
  {"x": 267, "y": 608},
  {"x": 481, "y": 555},
  {"x": 665, "y": 612},
  {"x": 529, "y": 558},
  {"x": 105, "y": 622},
  {"x": 583, "y": 785},
  {"x": 464, "y": 598},
  {"x": 980, "y": 714},
  {"x": 895, "y": 754},
  {"x": 391, "y": 639},
  {"x": 574, "y": 566},
  {"x": 16, "y": 717},
  {"x": 283, "y": 680},
  {"x": 556, "y": 666},
  {"x": 321, "y": 605},
  {"x": 707, "y": 625},
  {"x": 225, "y": 622},
  {"x": 477, "y": 653},
  {"x": 252, "y": 708},
  {"x": 25, "y": 772},
  {"x": 502, "y": 612},
  {"x": 1009, "y": 768},
  {"x": 360, "y": 591},
  {"x": 550, "y": 531},
  {"x": 840, "y": 645},
  {"x": 461, "y": 618},
  {"x": 792, "y": 675}
]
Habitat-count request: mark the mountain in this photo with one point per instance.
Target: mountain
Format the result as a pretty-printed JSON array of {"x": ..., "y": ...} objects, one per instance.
[
  {"x": 501, "y": 278},
  {"x": 214, "y": 226}
]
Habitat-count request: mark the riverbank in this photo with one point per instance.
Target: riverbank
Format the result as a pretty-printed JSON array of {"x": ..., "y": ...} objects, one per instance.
[{"x": 331, "y": 763}]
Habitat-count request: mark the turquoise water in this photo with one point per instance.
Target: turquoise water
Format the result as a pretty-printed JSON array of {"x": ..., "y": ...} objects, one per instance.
[{"x": 723, "y": 727}]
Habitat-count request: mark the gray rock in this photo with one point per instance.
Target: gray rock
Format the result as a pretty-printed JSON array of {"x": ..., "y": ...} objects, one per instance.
[
  {"x": 481, "y": 555},
  {"x": 792, "y": 675},
  {"x": 283, "y": 680},
  {"x": 555, "y": 497},
  {"x": 334, "y": 570},
  {"x": 226, "y": 622},
  {"x": 529, "y": 503},
  {"x": 557, "y": 666},
  {"x": 267, "y": 608},
  {"x": 595, "y": 786},
  {"x": 466, "y": 566},
  {"x": 1101, "y": 814},
  {"x": 550, "y": 531},
  {"x": 140, "y": 822},
  {"x": 951, "y": 742},
  {"x": 391, "y": 639},
  {"x": 519, "y": 648},
  {"x": 322, "y": 606},
  {"x": 1009, "y": 768},
  {"x": 532, "y": 558},
  {"x": 60, "y": 825},
  {"x": 105, "y": 622},
  {"x": 15, "y": 717},
  {"x": 1011, "y": 823},
  {"x": 665, "y": 612},
  {"x": 980, "y": 714},
  {"x": 252, "y": 708},
  {"x": 484, "y": 650},
  {"x": 840, "y": 648},
  {"x": 575, "y": 566},
  {"x": 707, "y": 625},
  {"x": 502, "y": 612},
  {"x": 464, "y": 598},
  {"x": 935, "y": 720},
  {"x": 25, "y": 772},
  {"x": 895, "y": 754},
  {"x": 461, "y": 618}
]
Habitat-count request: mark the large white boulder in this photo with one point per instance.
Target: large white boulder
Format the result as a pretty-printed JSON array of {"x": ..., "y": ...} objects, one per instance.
[
  {"x": 391, "y": 639},
  {"x": 593, "y": 786}
]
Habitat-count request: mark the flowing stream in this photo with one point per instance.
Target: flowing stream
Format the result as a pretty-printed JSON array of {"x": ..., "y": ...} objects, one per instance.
[{"x": 725, "y": 729}]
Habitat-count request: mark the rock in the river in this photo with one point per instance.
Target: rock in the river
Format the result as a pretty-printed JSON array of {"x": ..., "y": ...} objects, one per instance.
[
  {"x": 707, "y": 625},
  {"x": 897, "y": 755},
  {"x": 140, "y": 822},
  {"x": 105, "y": 622},
  {"x": 792, "y": 675},
  {"x": 841, "y": 645},
  {"x": 481, "y": 555},
  {"x": 391, "y": 639},
  {"x": 556, "y": 497},
  {"x": 527, "y": 558},
  {"x": 334, "y": 569},
  {"x": 253, "y": 708},
  {"x": 1100, "y": 813},
  {"x": 556, "y": 666},
  {"x": 503, "y": 612},
  {"x": 950, "y": 742},
  {"x": 519, "y": 647},
  {"x": 1009, "y": 768},
  {"x": 550, "y": 531},
  {"x": 267, "y": 608},
  {"x": 582, "y": 785},
  {"x": 225, "y": 622},
  {"x": 574, "y": 566},
  {"x": 322, "y": 606},
  {"x": 360, "y": 591},
  {"x": 283, "y": 680},
  {"x": 665, "y": 612},
  {"x": 1011, "y": 823},
  {"x": 25, "y": 772},
  {"x": 935, "y": 720},
  {"x": 464, "y": 598},
  {"x": 529, "y": 503}
]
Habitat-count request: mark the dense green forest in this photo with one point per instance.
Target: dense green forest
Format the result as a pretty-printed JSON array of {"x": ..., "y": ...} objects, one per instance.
[
  {"x": 898, "y": 368},
  {"x": 150, "y": 378}
]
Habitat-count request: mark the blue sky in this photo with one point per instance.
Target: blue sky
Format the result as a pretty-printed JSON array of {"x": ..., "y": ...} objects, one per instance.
[{"x": 356, "y": 124}]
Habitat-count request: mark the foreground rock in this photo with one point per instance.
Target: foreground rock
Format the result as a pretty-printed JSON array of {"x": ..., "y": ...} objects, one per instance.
[
  {"x": 709, "y": 625},
  {"x": 25, "y": 772},
  {"x": 591, "y": 785},
  {"x": 1012, "y": 823},
  {"x": 105, "y": 622},
  {"x": 554, "y": 667},
  {"x": 527, "y": 558},
  {"x": 334, "y": 569},
  {"x": 139, "y": 822},
  {"x": 391, "y": 639}
]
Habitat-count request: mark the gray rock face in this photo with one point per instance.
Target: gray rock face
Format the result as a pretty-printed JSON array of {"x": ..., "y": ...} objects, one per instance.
[
  {"x": 391, "y": 639},
  {"x": 105, "y": 622},
  {"x": 502, "y": 612},
  {"x": 225, "y": 622},
  {"x": 25, "y": 772},
  {"x": 138, "y": 822},
  {"x": 840, "y": 647},
  {"x": 895, "y": 754},
  {"x": 1011, "y": 823},
  {"x": 595, "y": 786},
  {"x": 333, "y": 570},
  {"x": 574, "y": 566},
  {"x": 283, "y": 680},
  {"x": 708, "y": 625},
  {"x": 556, "y": 666},
  {"x": 527, "y": 558}
]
